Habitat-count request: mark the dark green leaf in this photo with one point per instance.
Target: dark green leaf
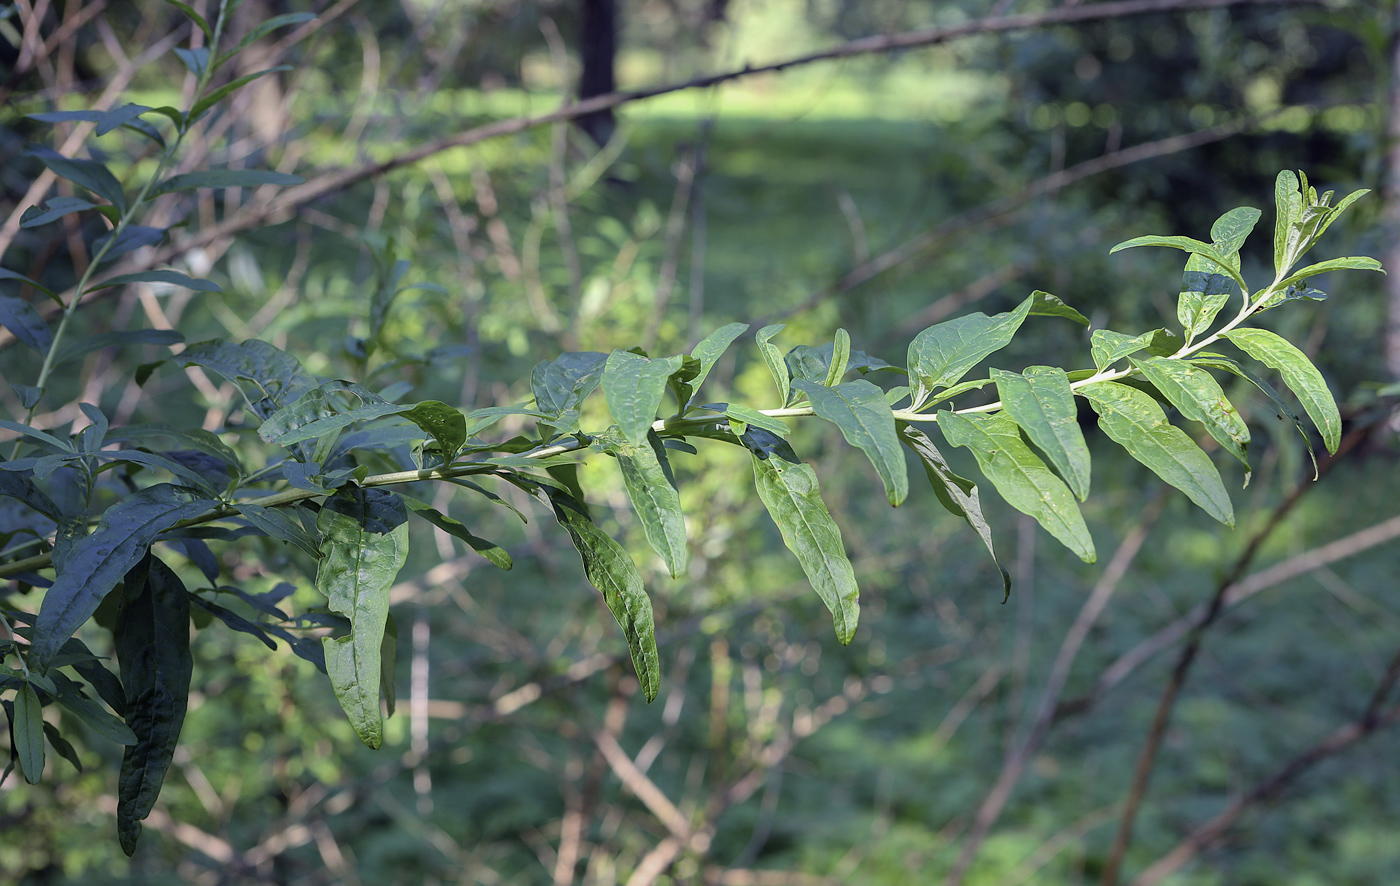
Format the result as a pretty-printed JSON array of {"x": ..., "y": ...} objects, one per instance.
[
  {"x": 119, "y": 117},
  {"x": 1200, "y": 398},
  {"x": 633, "y": 386},
  {"x": 789, "y": 490},
  {"x": 52, "y": 211},
  {"x": 153, "y": 647},
  {"x": 1021, "y": 478},
  {"x": 957, "y": 494},
  {"x": 158, "y": 276},
  {"x": 278, "y": 376},
  {"x": 318, "y": 412},
  {"x": 196, "y": 60},
  {"x": 1108, "y": 347},
  {"x": 1044, "y": 304},
  {"x": 388, "y": 660},
  {"x": 196, "y": 439},
  {"x": 61, "y": 744},
  {"x": 859, "y": 409},
  {"x": 7, "y": 274},
  {"x": 711, "y": 348},
  {"x": 278, "y": 524},
  {"x": 1041, "y": 402},
  {"x": 97, "y": 719},
  {"x": 88, "y": 174},
  {"x": 610, "y": 570},
  {"x": 561, "y": 384},
  {"x": 647, "y": 475},
  {"x": 27, "y": 324},
  {"x": 941, "y": 355},
  {"x": 100, "y": 560},
  {"x": 194, "y": 17},
  {"x": 444, "y": 423},
  {"x": 223, "y": 178},
  {"x": 774, "y": 358},
  {"x": 1196, "y": 247},
  {"x": 364, "y": 543},
  {"x": 28, "y": 733},
  {"x": 490, "y": 550},
  {"x": 128, "y": 239},
  {"x": 217, "y": 96},
  {"x": 1299, "y": 374},
  {"x": 85, "y": 345},
  {"x": 17, "y": 485},
  {"x": 808, "y": 363},
  {"x": 1135, "y": 421}
]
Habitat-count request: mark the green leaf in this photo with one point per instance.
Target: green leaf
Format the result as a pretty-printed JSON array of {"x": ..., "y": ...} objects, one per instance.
[
  {"x": 61, "y": 744},
  {"x": 277, "y": 523},
  {"x": 646, "y": 472},
  {"x": 840, "y": 357},
  {"x": 609, "y": 569},
  {"x": 196, "y": 60},
  {"x": 85, "y": 345},
  {"x": 53, "y": 210},
  {"x": 961, "y": 387},
  {"x": 633, "y": 386},
  {"x": 278, "y": 376},
  {"x": 196, "y": 439},
  {"x": 318, "y": 412},
  {"x": 128, "y": 239},
  {"x": 561, "y": 384},
  {"x": 1108, "y": 347},
  {"x": 1043, "y": 304},
  {"x": 28, "y": 733},
  {"x": 959, "y": 495},
  {"x": 788, "y": 489},
  {"x": 158, "y": 276},
  {"x": 98, "y": 561},
  {"x": 710, "y": 349},
  {"x": 1200, "y": 398},
  {"x": 1020, "y": 476},
  {"x": 1231, "y": 230},
  {"x": 1288, "y": 208},
  {"x": 91, "y": 713},
  {"x": 194, "y": 17},
  {"x": 1281, "y": 407},
  {"x": 152, "y": 637},
  {"x": 18, "y": 486},
  {"x": 1203, "y": 293},
  {"x": 219, "y": 94},
  {"x": 87, "y": 174},
  {"x": 446, "y": 424},
  {"x": 364, "y": 543},
  {"x": 488, "y": 549},
  {"x": 774, "y": 358},
  {"x": 119, "y": 117},
  {"x": 1351, "y": 263},
  {"x": 1041, "y": 402},
  {"x": 1134, "y": 421},
  {"x": 1299, "y": 374},
  {"x": 28, "y": 326},
  {"x": 941, "y": 355},
  {"x": 859, "y": 409},
  {"x": 7, "y": 274},
  {"x": 262, "y": 29},
  {"x": 751, "y": 416},
  {"x": 388, "y": 660},
  {"x": 223, "y": 178},
  {"x": 1188, "y": 244}
]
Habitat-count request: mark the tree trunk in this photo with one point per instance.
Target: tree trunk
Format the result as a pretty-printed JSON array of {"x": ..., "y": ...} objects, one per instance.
[{"x": 598, "y": 50}]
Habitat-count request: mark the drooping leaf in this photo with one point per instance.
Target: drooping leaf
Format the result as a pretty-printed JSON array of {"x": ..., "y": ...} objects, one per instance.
[
  {"x": 609, "y": 569},
  {"x": 1188, "y": 244},
  {"x": 278, "y": 377},
  {"x": 1199, "y": 397},
  {"x": 859, "y": 409},
  {"x": 1041, "y": 402},
  {"x": 28, "y": 326},
  {"x": 88, "y": 174},
  {"x": 91, "y": 713},
  {"x": 646, "y": 473},
  {"x": 633, "y": 386},
  {"x": 364, "y": 544},
  {"x": 490, "y": 550},
  {"x": 16, "y": 485},
  {"x": 277, "y": 523},
  {"x": 1299, "y": 374},
  {"x": 196, "y": 439},
  {"x": 958, "y": 494},
  {"x": 1043, "y": 304},
  {"x": 774, "y": 358},
  {"x": 1134, "y": 421},
  {"x": 157, "y": 276},
  {"x": 388, "y": 662},
  {"x": 940, "y": 355},
  {"x": 28, "y": 733},
  {"x": 98, "y": 561},
  {"x": 1281, "y": 407},
  {"x": 1020, "y": 476},
  {"x": 788, "y": 489},
  {"x": 153, "y": 648},
  {"x": 7, "y": 274},
  {"x": 62, "y": 746}
]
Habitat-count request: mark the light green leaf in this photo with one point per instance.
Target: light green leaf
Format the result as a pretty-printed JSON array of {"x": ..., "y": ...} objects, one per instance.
[
  {"x": 1020, "y": 476},
  {"x": 633, "y": 386},
  {"x": 646, "y": 473},
  {"x": 1044, "y": 304},
  {"x": 1188, "y": 244},
  {"x": 753, "y": 417},
  {"x": 774, "y": 358},
  {"x": 711, "y": 348},
  {"x": 1108, "y": 347},
  {"x": 1351, "y": 263},
  {"x": 942, "y": 354},
  {"x": 561, "y": 384},
  {"x": 610, "y": 570},
  {"x": 958, "y": 494},
  {"x": 28, "y": 733},
  {"x": 1041, "y": 402},
  {"x": 1299, "y": 374},
  {"x": 859, "y": 409},
  {"x": 1200, "y": 398},
  {"x": 1204, "y": 292},
  {"x": 1135, "y": 421},
  {"x": 840, "y": 357},
  {"x": 364, "y": 543},
  {"x": 1281, "y": 407},
  {"x": 788, "y": 489}
]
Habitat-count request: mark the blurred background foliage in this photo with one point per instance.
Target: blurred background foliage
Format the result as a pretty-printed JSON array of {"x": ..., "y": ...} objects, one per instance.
[{"x": 881, "y": 194}]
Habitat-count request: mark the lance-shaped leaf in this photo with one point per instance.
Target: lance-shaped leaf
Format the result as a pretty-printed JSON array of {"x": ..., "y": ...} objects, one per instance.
[
  {"x": 1288, "y": 208},
  {"x": 17, "y": 485},
  {"x": 1299, "y": 374},
  {"x": 1134, "y": 421},
  {"x": 277, "y": 523},
  {"x": 1108, "y": 347},
  {"x": 609, "y": 569},
  {"x": 488, "y": 549},
  {"x": 840, "y": 358},
  {"x": 1042, "y": 403},
  {"x": 85, "y": 173},
  {"x": 710, "y": 349},
  {"x": 1020, "y": 476},
  {"x": 28, "y": 733},
  {"x": 859, "y": 409},
  {"x": 157, "y": 276},
  {"x": 788, "y": 489},
  {"x": 1043, "y": 304},
  {"x": 1281, "y": 407},
  {"x": 646, "y": 472},
  {"x": 774, "y": 358},
  {"x": 1188, "y": 244},
  {"x": 153, "y": 648},
  {"x": 1199, "y": 397},
  {"x": 52, "y": 210},
  {"x": 748, "y": 416},
  {"x": 223, "y": 178},
  {"x": 110, "y": 727},
  {"x": 364, "y": 543},
  {"x": 318, "y": 412},
  {"x": 1348, "y": 263},
  {"x": 98, "y": 561},
  {"x": 634, "y": 386},
  {"x": 958, "y": 494},
  {"x": 942, "y": 354},
  {"x": 388, "y": 662},
  {"x": 28, "y": 326}
]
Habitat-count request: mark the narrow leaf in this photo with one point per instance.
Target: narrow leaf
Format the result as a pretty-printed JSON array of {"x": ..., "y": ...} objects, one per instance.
[
  {"x": 364, "y": 543},
  {"x": 751, "y": 416},
  {"x": 712, "y": 347},
  {"x": 194, "y": 17},
  {"x": 1188, "y": 244},
  {"x": 609, "y": 569},
  {"x": 223, "y": 178},
  {"x": 52, "y": 211},
  {"x": 1288, "y": 206},
  {"x": 1200, "y": 398},
  {"x": 1134, "y": 421},
  {"x": 1043, "y": 304},
  {"x": 128, "y": 239},
  {"x": 91, "y": 713},
  {"x": 646, "y": 474},
  {"x": 88, "y": 174},
  {"x": 941, "y": 355},
  {"x": 388, "y": 662},
  {"x": 788, "y": 489},
  {"x": 1019, "y": 476},
  {"x": 633, "y": 386},
  {"x": 278, "y": 524},
  {"x": 28, "y": 326},
  {"x": 840, "y": 357},
  {"x": 1041, "y": 402},
  {"x": 774, "y": 358},
  {"x": 1351, "y": 262},
  {"x": 158, "y": 276},
  {"x": 1108, "y": 347},
  {"x": 219, "y": 94},
  {"x": 28, "y": 733},
  {"x": 859, "y": 409},
  {"x": 1299, "y": 374},
  {"x": 490, "y": 550}
]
